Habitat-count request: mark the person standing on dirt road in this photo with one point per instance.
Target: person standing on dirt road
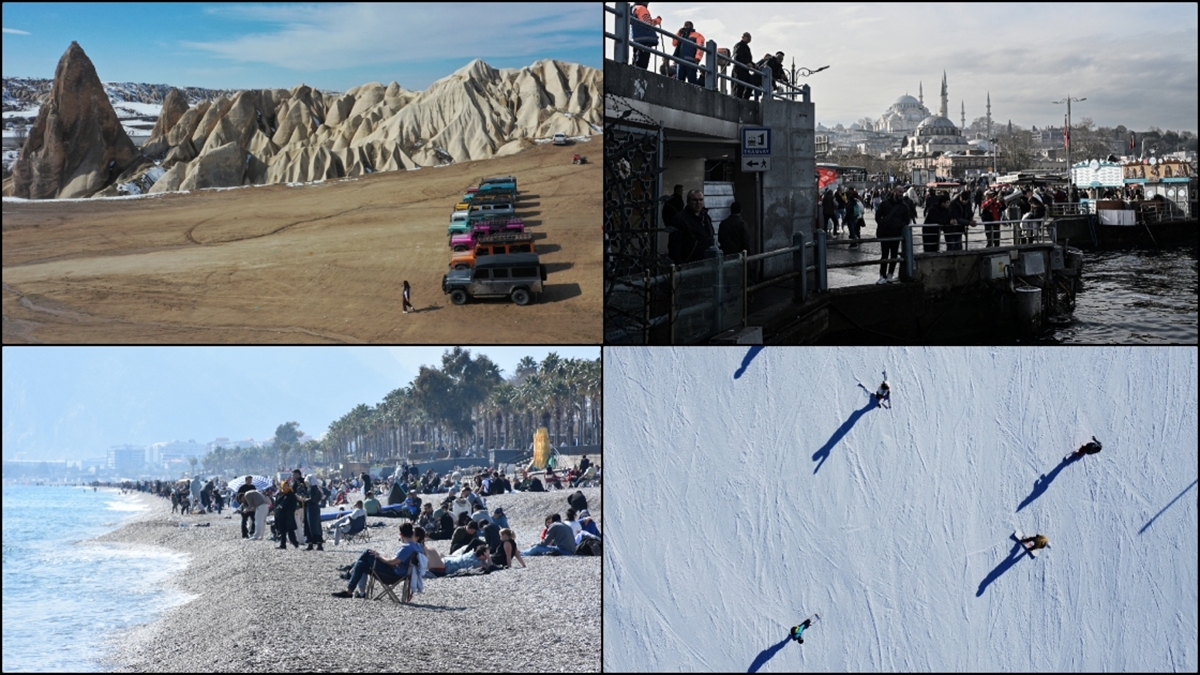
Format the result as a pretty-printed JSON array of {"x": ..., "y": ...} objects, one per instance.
[{"x": 407, "y": 299}]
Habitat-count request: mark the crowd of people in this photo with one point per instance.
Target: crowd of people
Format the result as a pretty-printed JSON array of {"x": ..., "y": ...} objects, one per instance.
[
  {"x": 480, "y": 540},
  {"x": 687, "y": 45}
]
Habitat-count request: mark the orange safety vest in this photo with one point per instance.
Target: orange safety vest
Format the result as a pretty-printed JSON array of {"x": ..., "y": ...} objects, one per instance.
[{"x": 642, "y": 14}]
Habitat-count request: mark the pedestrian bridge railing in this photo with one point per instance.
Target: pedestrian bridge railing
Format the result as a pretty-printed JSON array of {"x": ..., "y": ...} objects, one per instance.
[
  {"x": 705, "y": 298},
  {"x": 712, "y": 65}
]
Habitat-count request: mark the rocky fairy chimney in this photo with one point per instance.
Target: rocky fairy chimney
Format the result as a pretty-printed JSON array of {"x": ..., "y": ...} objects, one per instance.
[{"x": 77, "y": 145}]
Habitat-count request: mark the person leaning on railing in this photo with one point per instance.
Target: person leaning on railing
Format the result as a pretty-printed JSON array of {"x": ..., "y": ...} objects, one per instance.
[
  {"x": 642, "y": 33},
  {"x": 989, "y": 213}
]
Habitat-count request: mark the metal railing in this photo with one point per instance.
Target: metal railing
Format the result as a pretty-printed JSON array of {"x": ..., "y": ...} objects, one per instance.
[
  {"x": 711, "y": 64},
  {"x": 710, "y": 296},
  {"x": 982, "y": 235}
]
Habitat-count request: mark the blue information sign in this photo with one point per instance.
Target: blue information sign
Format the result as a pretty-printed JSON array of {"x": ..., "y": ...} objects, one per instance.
[{"x": 756, "y": 141}]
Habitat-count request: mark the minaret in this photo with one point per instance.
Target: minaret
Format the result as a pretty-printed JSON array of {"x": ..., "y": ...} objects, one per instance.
[
  {"x": 921, "y": 90},
  {"x": 964, "y": 115},
  {"x": 989, "y": 115},
  {"x": 944, "y": 111}
]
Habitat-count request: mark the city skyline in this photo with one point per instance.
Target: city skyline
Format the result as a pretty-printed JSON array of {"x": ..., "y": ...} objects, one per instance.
[
  {"x": 878, "y": 52},
  {"x": 75, "y": 403},
  {"x": 331, "y": 47}
]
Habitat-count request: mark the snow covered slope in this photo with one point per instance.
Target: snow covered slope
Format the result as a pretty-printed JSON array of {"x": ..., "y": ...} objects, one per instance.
[{"x": 748, "y": 489}]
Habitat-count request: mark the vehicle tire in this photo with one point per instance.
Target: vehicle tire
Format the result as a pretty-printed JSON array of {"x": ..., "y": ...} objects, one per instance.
[
  {"x": 458, "y": 296},
  {"x": 462, "y": 266},
  {"x": 520, "y": 296}
]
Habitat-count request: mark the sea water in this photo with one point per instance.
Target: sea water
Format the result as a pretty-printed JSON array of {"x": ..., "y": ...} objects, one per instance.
[{"x": 64, "y": 595}]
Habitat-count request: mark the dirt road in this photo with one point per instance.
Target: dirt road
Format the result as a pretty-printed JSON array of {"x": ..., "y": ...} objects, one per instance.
[{"x": 307, "y": 264}]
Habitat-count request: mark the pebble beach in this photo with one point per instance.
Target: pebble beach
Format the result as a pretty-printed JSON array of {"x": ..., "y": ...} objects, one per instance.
[{"x": 258, "y": 608}]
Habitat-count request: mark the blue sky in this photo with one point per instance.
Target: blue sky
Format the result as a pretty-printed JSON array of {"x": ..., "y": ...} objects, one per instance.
[
  {"x": 75, "y": 402},
  {"x": 328, "y": 46},
  {"x": 1136, "y": 63}
]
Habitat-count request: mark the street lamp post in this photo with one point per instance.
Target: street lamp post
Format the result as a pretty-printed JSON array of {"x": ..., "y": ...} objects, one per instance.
[{"x": 1068, "y": 100}]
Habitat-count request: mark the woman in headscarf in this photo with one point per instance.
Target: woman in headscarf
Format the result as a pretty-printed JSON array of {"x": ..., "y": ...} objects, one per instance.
[
  {"x": 312, "y": 514},
  {"x": 285, "y": 515}
]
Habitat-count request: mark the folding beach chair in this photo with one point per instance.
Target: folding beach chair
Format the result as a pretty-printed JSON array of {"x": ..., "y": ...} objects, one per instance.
[{"x": 388, "y": 588}]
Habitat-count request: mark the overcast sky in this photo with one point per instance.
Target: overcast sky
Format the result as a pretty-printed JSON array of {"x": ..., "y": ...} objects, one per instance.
[
  {"x": 331, "y": 46},
  {"x": 75, "y": 402},
  {"x": 1135, "y": 63}
]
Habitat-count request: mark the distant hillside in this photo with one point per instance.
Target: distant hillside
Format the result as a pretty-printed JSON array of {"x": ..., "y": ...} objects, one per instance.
[{"x": 28, "y": 94}]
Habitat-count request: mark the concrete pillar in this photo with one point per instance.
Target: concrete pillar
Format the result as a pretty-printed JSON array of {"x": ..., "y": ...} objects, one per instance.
[{"x": 790, "y": 187}]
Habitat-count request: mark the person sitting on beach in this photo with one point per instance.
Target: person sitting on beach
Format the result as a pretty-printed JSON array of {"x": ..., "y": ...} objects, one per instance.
[
  {"x": 499, "y": 518},
  {"x": 427, "y": 519},
  {"x": 504, "y": 555},
  {"x": 474, "y": 499},
  {"x": 587, "y": 475},
  {"x": 559, "y": 540},
  {"x": 491, "y": 534},
  {"x": 469, "y": 559},
  {"x": 465, "y": 536},
  {"x": 345, "y": 524},
  {"x": 481, "y": 515},
  {"x": 576, "y": 528},
  {"x": 389, "y": 570},
  {"x": 461, "y": 505},
  {"x": 412, "y": 506},
  {"x": 588, "y": 525},
  {"x": 445, "y": 521},
  {"x": 371, "y": 504}
]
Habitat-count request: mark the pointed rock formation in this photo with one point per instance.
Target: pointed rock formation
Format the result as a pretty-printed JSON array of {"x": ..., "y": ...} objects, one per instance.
[
  {"x": 174, "y": 107},
  {"x": 77, "y": 146}
]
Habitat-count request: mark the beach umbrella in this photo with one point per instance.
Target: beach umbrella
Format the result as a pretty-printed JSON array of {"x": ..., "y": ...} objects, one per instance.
[{"x": 260, "y": 482}]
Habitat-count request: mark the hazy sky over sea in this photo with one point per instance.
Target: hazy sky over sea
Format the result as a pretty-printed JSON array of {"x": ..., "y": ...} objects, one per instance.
[
  {"x": 331, "y": 46},
  {"x": 1136, "y": 63},
  {"x": 75, "y": 402}
]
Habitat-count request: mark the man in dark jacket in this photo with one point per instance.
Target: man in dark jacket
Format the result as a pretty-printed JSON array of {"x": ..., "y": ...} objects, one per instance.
[
  {"x": 673, "y": 206},
  {"x": 732, "y": 236},
  {"x": 960, "y": 218},
  {"x": 895, "y": 213},
  {"x": 693, "y": 233},
  {"x": 741, "y": 54}
]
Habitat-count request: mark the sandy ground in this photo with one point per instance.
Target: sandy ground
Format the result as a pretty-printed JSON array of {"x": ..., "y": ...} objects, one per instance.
[
  {"x": 260, "y": 609},
  {"x": 318, "y": 263}
]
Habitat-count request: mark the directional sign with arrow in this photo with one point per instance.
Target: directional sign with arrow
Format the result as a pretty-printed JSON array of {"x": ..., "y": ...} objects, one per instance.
[{"x": 756, "y": 164}]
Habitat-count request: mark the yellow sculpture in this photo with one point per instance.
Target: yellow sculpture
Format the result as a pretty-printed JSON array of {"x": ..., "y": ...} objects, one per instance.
[{"x": 541, "y": 447}]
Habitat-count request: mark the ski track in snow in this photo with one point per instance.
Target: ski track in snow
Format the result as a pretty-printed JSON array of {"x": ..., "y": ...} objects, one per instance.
[{"x": 724, "y": 537}]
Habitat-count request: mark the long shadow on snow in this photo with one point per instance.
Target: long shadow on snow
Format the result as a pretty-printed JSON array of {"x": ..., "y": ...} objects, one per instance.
[
  {"x": 1017, "y": 553},
  {"x": 823, "y": 454},
  {"x": 1165, "y": 508},
  {"x": 1043, "y": 482},
  {"x": 766, "y": 655},
  {"x": 746, "y": 361}
]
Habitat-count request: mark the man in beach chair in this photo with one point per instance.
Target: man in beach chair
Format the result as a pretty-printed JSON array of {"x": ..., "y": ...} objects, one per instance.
[
  {"x": 350, "y": 524},
  {"x": 389, "y": 571}
]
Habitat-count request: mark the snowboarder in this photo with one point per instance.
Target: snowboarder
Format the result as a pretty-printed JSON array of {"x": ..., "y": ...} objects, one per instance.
[
  {"x": 884, "y": 393},
  {"x": 1089, "y": 449},
  {"x": 796, "y": 631},
  {"x": 1039, "y": 541}
]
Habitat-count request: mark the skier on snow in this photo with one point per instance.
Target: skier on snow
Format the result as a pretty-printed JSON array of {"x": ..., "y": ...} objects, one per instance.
[
  {"x": 882, "y": 394},
  {"x": 796, "y": 631},
  {"x": 1089, "y": 449},
  {"x": 1039, "y": 541}
]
